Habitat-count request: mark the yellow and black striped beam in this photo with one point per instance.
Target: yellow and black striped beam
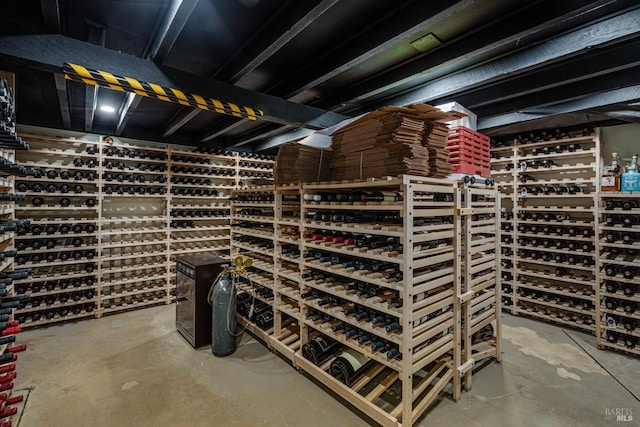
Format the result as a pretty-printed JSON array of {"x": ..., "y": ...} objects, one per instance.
[{"x": 89, "y": 76}]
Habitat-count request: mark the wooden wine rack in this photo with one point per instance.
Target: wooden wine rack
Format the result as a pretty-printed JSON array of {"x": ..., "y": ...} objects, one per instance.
[
  {"x": 287, "y": 249},
  {"x": 135, "y": 236},
  {"x": 538, "y": 281},
  {"x": 618, "y": 326},
  {"x": 427, "y": 298},
  {"x": 210, "y": 231},
  {"x": 480, "y": 293},
  {"x": 252, "y": 236},
  {"x": 76, "y": 291},
  {"x": 503, "y": 172},
  {"x": 12, "y": 406}
]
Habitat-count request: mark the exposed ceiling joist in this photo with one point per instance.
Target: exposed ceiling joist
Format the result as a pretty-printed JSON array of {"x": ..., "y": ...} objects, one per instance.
[
  {"x": 63, "y": 99},
  {"x": 624, "y": 95},
  {"x": 175, "y": 20},
  {"x": 158, "y": 35},
  {"x": 488, "y": 100},
  {"x": 261, "y": 48},
  {"x": 407, "y": 22},
  {"x": 51, "y": 15},
  {"x": 283, "y": 139},
  {"x": 131, "y": 101},
  {"x": 260, "y": 52},
  {"x": 544, "y": 95},
  {"x": 600, "y": 35},
  {"x": 90, "y": 104},
  {"x": 182, "y": 117},
  {"x": 221, "y": 130},
  {"x": 49, "y": 52},
  {"x": 508, "y": 32},
  {"x": 260, "y": 135},
  {"x": 96, "y": 35}
]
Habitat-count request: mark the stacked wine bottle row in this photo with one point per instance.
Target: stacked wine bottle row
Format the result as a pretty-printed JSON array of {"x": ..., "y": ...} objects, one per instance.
[
  {"x": 480, "y": 292},
  {"x": 61, "y": 243},
  {"x": 252, "y": 236},
  {"x": 10, "y": 324},
  {"x": 134, "y": 234},
  {"x": 548, "y": 183},
  {"x": 356, "y": 283},
  {"x": 199, "y": 190},
  {"x": 618, "y": 291},
  {"x": 109, "y": 219}
]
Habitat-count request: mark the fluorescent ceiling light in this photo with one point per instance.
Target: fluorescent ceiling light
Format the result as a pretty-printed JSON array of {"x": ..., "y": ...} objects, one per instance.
[{"x": 107, "y": 109}]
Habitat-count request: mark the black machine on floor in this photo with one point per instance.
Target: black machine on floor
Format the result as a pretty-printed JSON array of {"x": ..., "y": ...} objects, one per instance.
[{"x": 195, "y": 275}]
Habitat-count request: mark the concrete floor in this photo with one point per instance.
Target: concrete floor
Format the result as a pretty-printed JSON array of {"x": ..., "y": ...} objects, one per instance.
[{"x": 133, "y": 369}]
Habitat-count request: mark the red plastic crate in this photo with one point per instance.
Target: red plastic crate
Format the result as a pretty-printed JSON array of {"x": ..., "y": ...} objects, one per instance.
[
  {"x": 466, "y": 135},
  {"x": 471, "y": 169},
  {"x": 469, "y": 151}
]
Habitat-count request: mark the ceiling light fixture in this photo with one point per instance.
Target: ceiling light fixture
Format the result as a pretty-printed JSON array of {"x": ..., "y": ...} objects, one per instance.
[{"x": 107, "y": 109}]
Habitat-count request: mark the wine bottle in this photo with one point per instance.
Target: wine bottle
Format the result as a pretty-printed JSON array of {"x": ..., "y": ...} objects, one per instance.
[
  {"x": 629, "y": 239},
  {"x": 630, "y": 220},
  {"x": 629, "y": 289},
  {"x": 264, "y": 320},
  {"x": 611, "y": 270},
  {"x": 629, "y": 272},
  {"x": 381, "y": 196},
  {"x": 349, "y": 366},
  {"x": 612, "y": 236},
  {"x": 320, "y": 348}
]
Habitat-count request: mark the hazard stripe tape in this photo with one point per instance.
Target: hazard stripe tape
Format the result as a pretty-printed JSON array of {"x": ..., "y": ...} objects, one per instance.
[{"x": 78, "y": 73}]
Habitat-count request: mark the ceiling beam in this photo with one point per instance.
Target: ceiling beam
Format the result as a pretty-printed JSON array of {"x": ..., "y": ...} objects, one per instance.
[
  {"x": 284, "y": 138},
  {"x": 90, "y": 104},
  {"x": 407, "y": 22},
  {"x": 618, "y": 96},
  {"x": 606, "y": 69},
  {"x": 175, "y": 19},
  {"x": 179, "y": 119},
  {"x": 51, "y": 15},
  {"x": 603, "y": 34},
  {"x": 259, "y": 135},
  {"x": 259, "y": 48},
  {"x": 63, "y": 99},
  {"x": 522, "y": 27},
  {"x": 266, "y": 47},
  {"x": 50, "y": 52},
  {"x": 131, "y": 101},
  {"x": 96, "y": 35},
  {"x": 221, "y": 130}
]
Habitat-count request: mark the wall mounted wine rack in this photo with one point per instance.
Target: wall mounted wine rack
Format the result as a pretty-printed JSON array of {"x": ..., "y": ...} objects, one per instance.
[
  {"x": 109, "y": 219},
  {"x": 618, "y": 290},
  {"x": 549, "y": 188},
  {"x": 10, "y": 299}
]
